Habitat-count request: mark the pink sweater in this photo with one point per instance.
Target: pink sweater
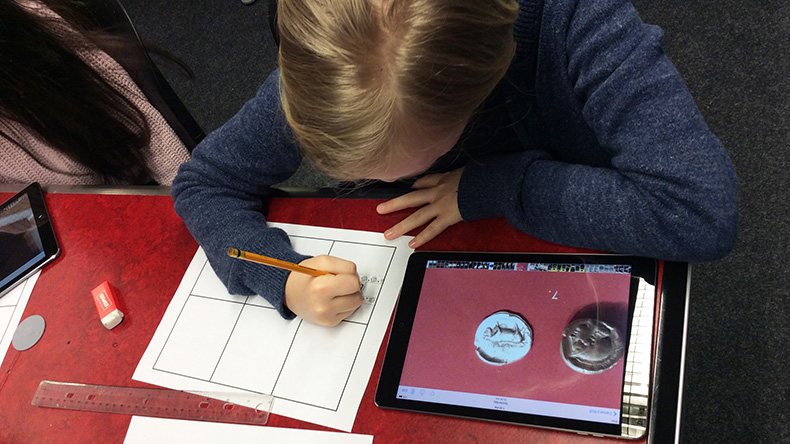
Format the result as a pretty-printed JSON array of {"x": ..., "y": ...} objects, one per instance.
[{"x": 49, "y": 166}]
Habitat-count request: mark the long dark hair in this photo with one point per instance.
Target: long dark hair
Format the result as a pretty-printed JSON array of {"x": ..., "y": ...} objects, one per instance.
[{"x": 47, "y": 88}]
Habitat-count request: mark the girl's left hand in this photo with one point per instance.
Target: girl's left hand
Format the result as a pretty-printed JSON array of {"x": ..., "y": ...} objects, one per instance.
[{"x": 438, "y": 196}]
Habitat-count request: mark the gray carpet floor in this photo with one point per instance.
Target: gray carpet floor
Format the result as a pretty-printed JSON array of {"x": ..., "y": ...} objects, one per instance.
[{"x": 735, "y": 57}]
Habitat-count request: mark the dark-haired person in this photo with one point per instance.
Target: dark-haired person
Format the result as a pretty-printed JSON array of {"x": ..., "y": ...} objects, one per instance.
[{"x": 69, "y": 112}]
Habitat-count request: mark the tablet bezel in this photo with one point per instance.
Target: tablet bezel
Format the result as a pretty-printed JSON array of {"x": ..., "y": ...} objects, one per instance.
[
  {"x": 400, "y": 332},
  {"x": 45, "y": 230}
]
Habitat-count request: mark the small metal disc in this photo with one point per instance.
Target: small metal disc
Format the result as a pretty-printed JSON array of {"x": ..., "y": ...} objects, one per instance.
[
  {"x": 502, "y": 338},
  {"x": 28, "y": 332},
  {"x": 591, "y": 346}
]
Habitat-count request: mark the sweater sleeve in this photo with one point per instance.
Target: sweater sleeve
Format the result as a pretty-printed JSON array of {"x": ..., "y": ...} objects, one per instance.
[
  {"x": 669, "y": 190},
  {"x": 220, "y": 195}
]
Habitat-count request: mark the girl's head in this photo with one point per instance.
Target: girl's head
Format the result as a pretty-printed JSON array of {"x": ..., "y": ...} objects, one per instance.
[{"x": 379, "y": 89}]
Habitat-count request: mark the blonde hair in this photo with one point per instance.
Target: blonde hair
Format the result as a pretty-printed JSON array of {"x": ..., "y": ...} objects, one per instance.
[{"x": 355, "y": 75}]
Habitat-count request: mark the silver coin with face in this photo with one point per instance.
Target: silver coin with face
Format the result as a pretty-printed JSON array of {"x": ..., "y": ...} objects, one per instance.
[
  {"x": 591, "y": 346},
  {"x": 502, "y": 338}
]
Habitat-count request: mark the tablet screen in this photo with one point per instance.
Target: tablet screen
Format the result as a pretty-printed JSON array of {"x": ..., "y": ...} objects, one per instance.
[
  {"x": 27, "y": 240},
  {"x": 18, "y": 234},
  {"x": 520, "y": 339}
]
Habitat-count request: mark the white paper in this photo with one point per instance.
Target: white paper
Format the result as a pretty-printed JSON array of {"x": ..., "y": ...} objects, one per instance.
[
  {"x": 209, "y": 340},
  {"x": 145, "y": 430},
  {"x": 12, "y": 305}
]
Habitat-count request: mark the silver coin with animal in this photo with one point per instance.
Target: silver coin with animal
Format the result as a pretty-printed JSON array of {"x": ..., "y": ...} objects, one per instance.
[{"x": 502, "y": 338}]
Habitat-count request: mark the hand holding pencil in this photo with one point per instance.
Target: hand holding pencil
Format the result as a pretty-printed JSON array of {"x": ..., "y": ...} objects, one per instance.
[{"x": 323, "y": 290}]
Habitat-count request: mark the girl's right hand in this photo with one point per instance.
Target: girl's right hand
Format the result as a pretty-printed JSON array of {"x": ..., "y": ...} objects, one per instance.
[{"x": 324, "y": 300}]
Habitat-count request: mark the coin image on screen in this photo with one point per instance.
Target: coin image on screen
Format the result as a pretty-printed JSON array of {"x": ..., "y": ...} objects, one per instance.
[
  {"x": 591, "y": 346},
  {"x": 502, "y": 338}
]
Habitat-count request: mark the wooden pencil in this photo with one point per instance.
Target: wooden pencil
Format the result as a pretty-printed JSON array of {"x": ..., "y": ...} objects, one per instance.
[{"x": 272, "y": 262}]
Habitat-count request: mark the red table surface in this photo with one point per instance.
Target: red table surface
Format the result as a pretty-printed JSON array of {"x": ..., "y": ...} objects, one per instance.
[{"x": 142, "y": 248}]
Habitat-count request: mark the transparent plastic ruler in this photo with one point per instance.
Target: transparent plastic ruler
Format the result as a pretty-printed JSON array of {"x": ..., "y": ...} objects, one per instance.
[{"x": 162, "y": 403}]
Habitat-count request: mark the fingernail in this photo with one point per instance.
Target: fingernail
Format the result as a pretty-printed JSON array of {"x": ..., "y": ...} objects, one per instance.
[
  {"x": 413, "y": 243},
  {"x": 388, "y": 234}
]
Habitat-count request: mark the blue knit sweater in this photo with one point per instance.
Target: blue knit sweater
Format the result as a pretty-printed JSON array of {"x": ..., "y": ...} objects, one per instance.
[{"x": 591, "y": 140}]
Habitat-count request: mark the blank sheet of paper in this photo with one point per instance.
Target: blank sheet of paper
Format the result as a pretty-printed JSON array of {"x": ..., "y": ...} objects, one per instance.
[
  {"x": 145, "y": 430},
  {"x": 210, "y": 340}
]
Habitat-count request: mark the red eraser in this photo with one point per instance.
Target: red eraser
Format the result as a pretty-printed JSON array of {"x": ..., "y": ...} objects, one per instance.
[{"x": 104, "y": 299}]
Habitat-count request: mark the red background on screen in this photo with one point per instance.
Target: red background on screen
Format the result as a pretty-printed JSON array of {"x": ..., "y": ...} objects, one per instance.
[{"x": 453, "y": 302}]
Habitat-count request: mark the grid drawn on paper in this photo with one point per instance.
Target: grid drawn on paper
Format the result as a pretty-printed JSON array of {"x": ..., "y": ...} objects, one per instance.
[
  {"x": 9, "y": 306},
  {"x": 225, "y": 358},
  {"x": 12, "y": 306}
]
